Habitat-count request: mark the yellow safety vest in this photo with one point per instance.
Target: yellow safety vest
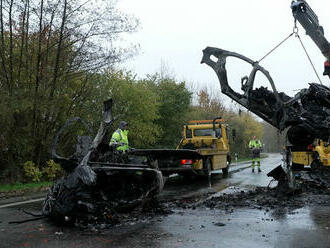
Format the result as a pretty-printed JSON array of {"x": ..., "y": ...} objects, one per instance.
[{"x": 120, "y": 136}]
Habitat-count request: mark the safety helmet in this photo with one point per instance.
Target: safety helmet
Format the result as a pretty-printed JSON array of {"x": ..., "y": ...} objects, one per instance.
[{"x": 122, "y": 124}]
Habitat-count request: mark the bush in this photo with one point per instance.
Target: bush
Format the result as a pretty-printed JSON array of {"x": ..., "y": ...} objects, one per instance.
[
  {"x": 52, "y": 170},
  {"x": 31, "y": 171}
]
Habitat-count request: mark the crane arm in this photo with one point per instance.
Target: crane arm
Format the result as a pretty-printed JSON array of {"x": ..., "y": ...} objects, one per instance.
[{"x": 303, "y": 13}]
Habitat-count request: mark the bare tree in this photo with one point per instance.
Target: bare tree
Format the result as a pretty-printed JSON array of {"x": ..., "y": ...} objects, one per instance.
[{"x": 49, "y": 51}]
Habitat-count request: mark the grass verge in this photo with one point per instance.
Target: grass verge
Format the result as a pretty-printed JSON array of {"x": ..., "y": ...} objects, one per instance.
[{"x": 23, "y": 186}]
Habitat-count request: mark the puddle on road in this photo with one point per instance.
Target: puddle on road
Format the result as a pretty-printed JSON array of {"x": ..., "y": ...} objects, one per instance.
[
  {"x": 251, "y": 227},
  {"x": 321, "y": 217}
]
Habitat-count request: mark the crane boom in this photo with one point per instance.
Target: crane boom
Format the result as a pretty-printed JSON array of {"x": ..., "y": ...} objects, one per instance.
[{"x": 303, "y": 13}]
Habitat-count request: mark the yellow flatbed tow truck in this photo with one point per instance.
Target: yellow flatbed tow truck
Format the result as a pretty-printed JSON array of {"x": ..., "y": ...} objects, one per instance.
[{"x": 203, "y": 148}]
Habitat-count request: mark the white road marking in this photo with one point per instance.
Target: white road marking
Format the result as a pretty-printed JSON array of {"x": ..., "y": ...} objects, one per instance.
[{"x": 21, "y": 203}]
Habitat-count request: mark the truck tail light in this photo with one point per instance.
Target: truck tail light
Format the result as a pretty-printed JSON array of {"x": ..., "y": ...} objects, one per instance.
[
  {"x": 185, "y": 161},
  {"x": 310, "y": 147}
]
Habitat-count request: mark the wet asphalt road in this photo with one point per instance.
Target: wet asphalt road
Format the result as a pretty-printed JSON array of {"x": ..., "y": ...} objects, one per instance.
[{"x": 305, "y": 227}]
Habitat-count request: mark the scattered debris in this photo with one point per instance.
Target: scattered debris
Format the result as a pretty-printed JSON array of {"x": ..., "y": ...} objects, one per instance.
[
  {"x": 272, "y": 199},
  {"x": 286, "y": 181}
]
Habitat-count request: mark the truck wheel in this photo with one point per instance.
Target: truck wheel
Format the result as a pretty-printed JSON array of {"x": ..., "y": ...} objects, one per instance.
[
  {"x": 316, "y": 165},
  {"x": 207, "y": 167},
  {"x": 225, "y": 171},
  {"x": 228, "y": 159}
]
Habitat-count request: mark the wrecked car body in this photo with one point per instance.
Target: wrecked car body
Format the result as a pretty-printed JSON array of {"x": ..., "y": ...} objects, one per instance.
[
  {"x": 100, "y": 182},
  {"x": 306, "y": 115}
]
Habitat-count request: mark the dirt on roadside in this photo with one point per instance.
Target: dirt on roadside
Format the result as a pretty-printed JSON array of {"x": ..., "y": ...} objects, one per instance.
[{"x": 313, "y": 189}]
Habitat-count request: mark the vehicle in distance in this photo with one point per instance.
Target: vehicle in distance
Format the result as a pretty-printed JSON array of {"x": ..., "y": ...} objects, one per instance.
[{"x": 203, "y": 148}]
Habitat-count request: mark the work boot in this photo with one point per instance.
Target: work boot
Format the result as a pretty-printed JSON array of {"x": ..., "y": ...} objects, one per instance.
[{"x": 259, "y": 170}]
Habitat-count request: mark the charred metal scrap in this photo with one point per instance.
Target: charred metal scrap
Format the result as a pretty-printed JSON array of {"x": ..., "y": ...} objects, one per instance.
[
  {"x": 100, "y": 182},
  {"x": 307, "y": 114}
]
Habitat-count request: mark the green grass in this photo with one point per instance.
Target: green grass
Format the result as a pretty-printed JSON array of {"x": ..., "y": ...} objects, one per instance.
[{"x": 23, "y": 186}]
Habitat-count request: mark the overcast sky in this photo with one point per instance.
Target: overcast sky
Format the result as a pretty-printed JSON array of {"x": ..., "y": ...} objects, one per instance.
[{"x": 176, "y": 32}]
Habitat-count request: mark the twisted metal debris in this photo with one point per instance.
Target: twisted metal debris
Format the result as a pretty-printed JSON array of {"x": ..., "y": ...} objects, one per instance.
[
  {"x": 307, "y": 114},
  {"x": 99, "y": 183}
]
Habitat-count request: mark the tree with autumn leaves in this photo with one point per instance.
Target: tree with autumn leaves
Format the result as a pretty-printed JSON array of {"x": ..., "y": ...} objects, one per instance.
[{"x": 57, "y": 61}]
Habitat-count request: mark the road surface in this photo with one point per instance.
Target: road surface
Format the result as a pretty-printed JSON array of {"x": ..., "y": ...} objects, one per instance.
[{"x": 199, "y": 227}]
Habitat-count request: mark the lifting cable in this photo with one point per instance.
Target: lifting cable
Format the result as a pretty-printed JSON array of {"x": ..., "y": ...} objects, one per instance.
[
  {"x": 295, "y": 32},
  {"x": 276, "y": 47},
  {"x": 309, "y": 58}
]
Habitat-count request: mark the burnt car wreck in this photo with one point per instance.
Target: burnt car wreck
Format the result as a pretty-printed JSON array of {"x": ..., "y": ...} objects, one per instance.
[
  {"x": 100, "y": 182},
  {"x": 306, "y": 115}
]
